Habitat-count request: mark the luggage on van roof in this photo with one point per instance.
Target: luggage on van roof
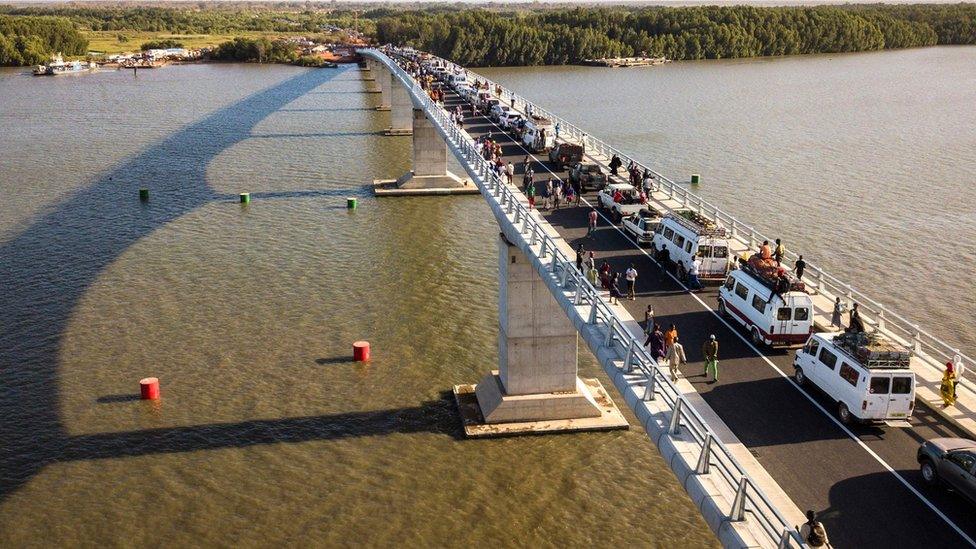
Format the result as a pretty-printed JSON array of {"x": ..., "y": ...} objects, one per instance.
[
  {"x": 873, "y": 350},
  {"x": 767, "y": 272},
  {"x": 698, "y": 223}
]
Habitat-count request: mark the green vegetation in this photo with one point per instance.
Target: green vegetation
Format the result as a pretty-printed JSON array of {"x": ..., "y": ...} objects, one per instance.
[
  {"x": 257, "y": 50},
  {"x": 32, "y": 40},
  {"x": 163, "y": 44},
  {"x": 553, "y": 37}
]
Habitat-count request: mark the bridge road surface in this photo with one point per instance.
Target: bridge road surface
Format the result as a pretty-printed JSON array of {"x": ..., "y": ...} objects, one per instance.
[{"x": 819, "y": 464}]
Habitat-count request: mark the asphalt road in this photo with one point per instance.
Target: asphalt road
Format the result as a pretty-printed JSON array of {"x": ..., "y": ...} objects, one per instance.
[{"x": 863, "y": 481}]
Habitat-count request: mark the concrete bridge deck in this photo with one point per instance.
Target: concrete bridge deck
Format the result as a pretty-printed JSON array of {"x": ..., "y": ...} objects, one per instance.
[{"x": 863, "y": 479}]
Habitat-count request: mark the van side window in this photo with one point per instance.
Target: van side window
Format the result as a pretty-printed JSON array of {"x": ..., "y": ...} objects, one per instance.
[
  {"x": 720, "y": 251},
  {"x": 783, "y": 313},
  {"x": 668, "y": 233},
  {"x": 848, "y": 374},
  {"x": 758, "y": 303},
  {"x": 827, "y": 358},
  {"x": 801, "y": 313},
  {"x": 879, "y": 385},
  {"x": 688, "y": 247},
  {"x": 742, "y": 291},
  {"x": 901, "y": 385},
  {"x": 812, "y": 347},
  {"x": 679, "y": 240},
  {"x": 729, "y": 284}
]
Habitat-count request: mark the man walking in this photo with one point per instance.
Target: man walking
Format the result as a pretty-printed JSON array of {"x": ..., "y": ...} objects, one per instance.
[
  {"x": 799, "y": 266},
  {"x": 631, "y": 276},
  {"x": 579, "y": 258},
  {"x": 693, "y": 282},
  {"x": 592, "y": 225},
  {"x": 835, "y": 316},
  {"x": 710, "y": 352},
  {"x": 675, "y": 357},
  {"x": 510, "y": 172},
  {"x": 813, "y": 532}
]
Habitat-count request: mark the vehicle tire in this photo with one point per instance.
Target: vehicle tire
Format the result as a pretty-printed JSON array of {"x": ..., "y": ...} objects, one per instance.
[
  {"x": 722, "y": 311},
  {"x": 929, "y": 475},
  {"x": 756, "y": 338},
  {"x": 844, "y": 413},
  {"x": 801, "y": 378}
]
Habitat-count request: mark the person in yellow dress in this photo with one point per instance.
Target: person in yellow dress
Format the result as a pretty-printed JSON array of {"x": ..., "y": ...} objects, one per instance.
[{"x": 948, "y": 387}]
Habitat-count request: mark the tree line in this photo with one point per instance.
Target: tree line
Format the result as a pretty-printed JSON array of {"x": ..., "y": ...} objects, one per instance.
[
  {"x": 561, "y": 36},
  {"x": 32, "y": 40}
]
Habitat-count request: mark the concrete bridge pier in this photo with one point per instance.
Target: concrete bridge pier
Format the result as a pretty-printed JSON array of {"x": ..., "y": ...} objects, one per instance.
[
  {"x": 429, "y": 174},
  {"x": 401, "y": 110},
  {"x": 536, "y": 388},
  {"x": 385, "y": 80},
  {"x": 369, "y": 76}
]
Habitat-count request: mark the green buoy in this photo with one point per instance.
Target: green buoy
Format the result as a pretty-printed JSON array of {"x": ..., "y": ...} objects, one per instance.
[
  {"x": 351, "y": 203},
  {"x": 144, "y": 194},
  {"x": 245, "y": 198},
  {"x": 695, "y": 179}
]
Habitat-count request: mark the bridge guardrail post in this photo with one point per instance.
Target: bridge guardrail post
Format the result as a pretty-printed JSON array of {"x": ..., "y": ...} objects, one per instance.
[
  {"x": 628, "y": 366},
  {"x": 649, "y": 388},
  {"x": 784, "y": 539},
  {"x": 881, "y": 317},
  {"x": 535, "y": 235},
  {"x": 609, "y": 340},
  {"x": 593, "y": 311},
  {"x": 674, "y": 426},
  {"x": 738, "y": 511},
  {"x": 705, "y": 457},
  {"x": 565, "y": 279},
  {"x": 917, "y": 339},
  {"x": 752, "y": 238}
]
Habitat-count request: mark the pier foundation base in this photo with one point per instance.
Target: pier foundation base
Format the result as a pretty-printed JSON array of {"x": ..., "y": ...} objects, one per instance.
[
  {"x": 429, "y": 175},
  {"x": 536, "y": 388}
]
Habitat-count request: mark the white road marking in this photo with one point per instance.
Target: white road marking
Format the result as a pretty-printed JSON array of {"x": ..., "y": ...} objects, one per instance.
[{"x": 837, "y": 422}]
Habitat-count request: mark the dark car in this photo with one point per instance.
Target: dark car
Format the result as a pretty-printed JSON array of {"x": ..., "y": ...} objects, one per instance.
[
  {"x": 587, "y": 176},
  {"x": 951, "y": 461},
  {"x": 565, "y": 154}
]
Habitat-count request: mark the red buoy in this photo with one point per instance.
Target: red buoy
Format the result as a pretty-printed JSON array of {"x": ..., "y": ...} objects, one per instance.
[
  {"x": 149, "y": 388},
  {"x": 360, "y": 351}
]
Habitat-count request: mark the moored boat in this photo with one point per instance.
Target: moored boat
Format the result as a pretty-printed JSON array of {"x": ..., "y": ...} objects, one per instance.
[{"x": 59, "y": 66}]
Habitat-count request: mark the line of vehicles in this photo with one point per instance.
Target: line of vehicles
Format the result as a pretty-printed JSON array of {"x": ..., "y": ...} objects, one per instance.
[{"x": 868, "y": 376}]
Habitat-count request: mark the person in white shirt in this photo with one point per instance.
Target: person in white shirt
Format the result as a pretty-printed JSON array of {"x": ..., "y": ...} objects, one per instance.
[
  {"x": 631, "y": 276},
  {"x": 693, "y": 282}
]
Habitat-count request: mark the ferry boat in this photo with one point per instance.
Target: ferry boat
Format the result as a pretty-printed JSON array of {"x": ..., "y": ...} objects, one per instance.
[{"x": 58, "y": 66}]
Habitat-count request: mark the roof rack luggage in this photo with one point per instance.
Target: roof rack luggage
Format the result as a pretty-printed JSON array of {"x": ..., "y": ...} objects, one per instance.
[
  {"x": 767, "y": 272},
  {"x": 698, "y": 223},
  {"x": 874, "y": 351}
]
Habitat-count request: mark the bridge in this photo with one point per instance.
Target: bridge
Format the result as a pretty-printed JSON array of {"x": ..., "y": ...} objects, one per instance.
[{"x": 751, "y": 450}]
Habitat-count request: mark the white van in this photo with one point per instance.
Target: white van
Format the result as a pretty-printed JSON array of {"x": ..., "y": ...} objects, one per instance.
[
  {"x": 869, "y": 377},
  {"x": 539, "y": 134},
  {"x": 772, "y": 318},
  {"x": 456, "y": 80},
  {"x": 685, "y": 234}
]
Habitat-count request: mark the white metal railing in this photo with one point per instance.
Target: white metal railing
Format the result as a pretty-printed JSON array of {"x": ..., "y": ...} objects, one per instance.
[
  {"x": 685, "y": 421},
  {"x": 887, "y": 321}
]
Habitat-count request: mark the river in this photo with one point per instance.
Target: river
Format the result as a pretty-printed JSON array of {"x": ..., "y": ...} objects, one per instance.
[
  {"x": 266, "y": 435},
  {"x": 864, "y": 163}
]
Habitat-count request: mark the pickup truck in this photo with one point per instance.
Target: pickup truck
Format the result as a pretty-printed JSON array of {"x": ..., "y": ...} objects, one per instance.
[
  {"x": 628, "y": 205},
  {"x": 642, "y": 224},
  {"x": 587, "y": 176},
  {"x": 565, "y": 154}
]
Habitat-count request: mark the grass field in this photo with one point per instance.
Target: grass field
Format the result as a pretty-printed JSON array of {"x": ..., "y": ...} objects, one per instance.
[{"x": 108, "y": 41}]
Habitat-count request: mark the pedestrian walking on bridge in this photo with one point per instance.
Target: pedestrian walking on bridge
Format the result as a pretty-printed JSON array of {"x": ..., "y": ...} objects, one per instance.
[
  {"x": 510, "y": 172},
  {"x": 580, "y": 252},
  {"x": 835, "y": 316},
  {"x": 670, "y": 336},
  {"x": 710, "y": 352},
  {"x": 798, "y": 267},
  {"x": 592, "y": 223},
  {"x": 813, "y": 532},
  {"x": 779, "y": 252},
  {"x": 948, "y": 387},
  {"x": 675, "y": 357},
  {"x": 631, "y": 276},
  {"x": 656, "y": 340}
]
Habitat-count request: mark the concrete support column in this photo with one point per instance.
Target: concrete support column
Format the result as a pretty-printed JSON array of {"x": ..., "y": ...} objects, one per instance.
[
  {"x": 401, "y": 110},
  {"x": 370, "y": 75},
  {"x": 385, "y": 80},
  {"x": 536, "y": 341},
  {"x": 429, "y": 150}
]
